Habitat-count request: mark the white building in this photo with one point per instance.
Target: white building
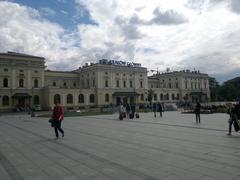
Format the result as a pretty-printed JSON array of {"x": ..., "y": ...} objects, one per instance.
[{"x": 25, "y": 82}]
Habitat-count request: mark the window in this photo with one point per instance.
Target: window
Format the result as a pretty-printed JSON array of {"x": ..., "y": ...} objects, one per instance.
[
  {"x": 155, "y": 97},
  {"x": 5, "y": 100},
  {"x": 106, "y": 97},
  {"x": 124, "y": 74},
  {"x": 21, "y": 82},
  {"x": 151, "y": 86},
  {"x": 5, "y": 70},
  {"x": 35, "y": 99},
  {"x": 82, "y": 83},
  {"x": 141, "y": 84},
  {"x": 88, "y": 84},
  {"x": 142, "y": 97},
  {"x": 5, "y": 82},
  {"x": 57, "y": 99},
  {"x": 161, "y": 96},
  {"x": 64, "y": 84},
  {"x": 74, "y": 84},
  {"x": 173, "y": 96},
  {"x": 35, "y": 83},
  {"x": 54, "y": 83},
  {"x": 35, "y": 71},
  {"x": 106, "y": 73},
  {"x": 131, "y": 85},
  {"x": 124, "y": 84},
  {"x": 81, "y": 98},
  {"x": 167, "y": 96},
  {"x": 69, "y": 99},
  {"x": 92, "y": 98},
  {"x": 186, "y": 85},
  {"x": 176, "y": 85},
  {"x": 205, "y": 85},
  {"x": 177, "y": 96},
  {"x": 106, "y": 83},
  {"x": 93, "y": 82},
  {"x": 117, "y": 74},
  {"x": 118, "y": 83},
  {"x": 170, "y": 85},
  {"x": 21, "y": 70}
]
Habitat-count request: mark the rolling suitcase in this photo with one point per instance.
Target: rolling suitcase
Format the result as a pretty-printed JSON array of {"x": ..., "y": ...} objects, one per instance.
[
  {"x": 120, "y": 116},
  {"x": 137, "y": 115},
  {"x": 131, "y": 116}
]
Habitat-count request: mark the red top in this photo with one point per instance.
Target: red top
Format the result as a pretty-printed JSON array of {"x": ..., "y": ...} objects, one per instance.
[{"x": 58, "y": 113}]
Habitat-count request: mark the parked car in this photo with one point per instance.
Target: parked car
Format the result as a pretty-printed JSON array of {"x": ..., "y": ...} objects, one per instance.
[{"x": 37, "y": 107}]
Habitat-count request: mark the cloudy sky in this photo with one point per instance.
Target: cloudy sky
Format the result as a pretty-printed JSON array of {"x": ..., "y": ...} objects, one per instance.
[{"x": 177, "y": 34}]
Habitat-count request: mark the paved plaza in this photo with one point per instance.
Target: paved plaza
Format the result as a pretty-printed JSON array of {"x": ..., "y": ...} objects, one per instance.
[{"x": 102, "y": 147}]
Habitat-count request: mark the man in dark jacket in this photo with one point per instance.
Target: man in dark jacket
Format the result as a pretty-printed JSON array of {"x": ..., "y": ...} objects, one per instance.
[
  {"x": 197, "y": 112},
  {"x": 160, "y": 109},
  {"x": 57, "y": 116}
]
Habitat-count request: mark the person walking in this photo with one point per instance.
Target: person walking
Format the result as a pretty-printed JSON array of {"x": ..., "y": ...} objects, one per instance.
[
  {"x": 128, "y": 109},
  {"x": 154, "y": 109},
  {"x": 133, "y": 109},
  {"x": 120, "y": 111},
  {"x": 232, "y": 117},
  {"x": 57, "y": 116},
  {"x": 197, "y": 112},
  {"x": 160, "y": 109}
]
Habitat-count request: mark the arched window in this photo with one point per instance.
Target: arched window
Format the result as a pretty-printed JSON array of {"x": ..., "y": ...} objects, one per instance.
[
  {"x": 5, "y": 100},
  {"x": 35, "y": 99},
  {"x": 35, "y": 83},
  {"x": 69, "y": 99},
  {"x": 57, "y": 99},
  {"x": 92, "y": 98},
  {"x": 81, "y": 98},
  {"x": 106, "y": 97},
  {"x": 161, "y": 96},
  {"x": 142, "y": 97},
  {"x": 5, "y": 82},
  {"x": 167, "y": 96},
  {"x": 155, "y": 97},
  {"x": 21, "y": 82}
]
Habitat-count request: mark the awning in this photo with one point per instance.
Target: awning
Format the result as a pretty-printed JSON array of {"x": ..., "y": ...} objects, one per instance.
[
  {"x": 26, "y": 95},
  {"x": 125, "y": 94},
  {"x": 197, "y": 93}
]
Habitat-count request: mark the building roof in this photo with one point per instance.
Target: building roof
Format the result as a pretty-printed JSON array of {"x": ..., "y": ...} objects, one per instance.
[{"x": 10, "y": 53}]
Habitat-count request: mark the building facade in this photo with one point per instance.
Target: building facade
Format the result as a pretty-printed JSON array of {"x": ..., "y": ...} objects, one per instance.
[{"x": 25, "y": 82}]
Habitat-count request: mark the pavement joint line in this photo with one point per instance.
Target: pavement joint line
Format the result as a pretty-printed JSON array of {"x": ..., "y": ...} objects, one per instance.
[
  {"x": 165, "y": 124},
  {"x": 150, "y": 147},
  {"x": 93, "y": 156},
  {"x": 10, "y": 169}
]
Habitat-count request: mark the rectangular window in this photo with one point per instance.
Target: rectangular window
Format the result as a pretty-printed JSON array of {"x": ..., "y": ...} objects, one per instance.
[
  {"x": 124, "y": 84},
  {"x": 141, "y": 84},
  {"x": 106, "y": 83},
  {"x": 93, "y": 82},
  {"x": 5, "y": 70},
  {"x": 131, "y": 85},
  {"x": 176, "y": 85},
  {"x": 117, "y": 83}
]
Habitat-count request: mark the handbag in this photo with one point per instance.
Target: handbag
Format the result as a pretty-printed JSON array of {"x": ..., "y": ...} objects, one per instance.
[{"x": 51, "y": 121}]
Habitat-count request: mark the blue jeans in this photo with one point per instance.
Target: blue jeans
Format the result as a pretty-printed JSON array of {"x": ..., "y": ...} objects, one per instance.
[{"x": 57, "y": 127}]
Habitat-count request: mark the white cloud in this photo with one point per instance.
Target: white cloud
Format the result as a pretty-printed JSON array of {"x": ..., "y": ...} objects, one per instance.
[
  {"x": 45, "y": 11},
  {"x": 200, "y": 34}
]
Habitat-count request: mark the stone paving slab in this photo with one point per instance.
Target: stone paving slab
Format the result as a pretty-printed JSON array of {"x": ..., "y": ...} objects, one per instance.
[{"x": 102, "y": 147}]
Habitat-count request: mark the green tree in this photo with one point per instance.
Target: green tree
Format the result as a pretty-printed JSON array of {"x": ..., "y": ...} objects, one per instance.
[{"x": 150, "y": 95}]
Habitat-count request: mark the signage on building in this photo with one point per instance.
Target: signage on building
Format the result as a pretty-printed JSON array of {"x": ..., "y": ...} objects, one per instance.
[{"x": 120, "y": 63}]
